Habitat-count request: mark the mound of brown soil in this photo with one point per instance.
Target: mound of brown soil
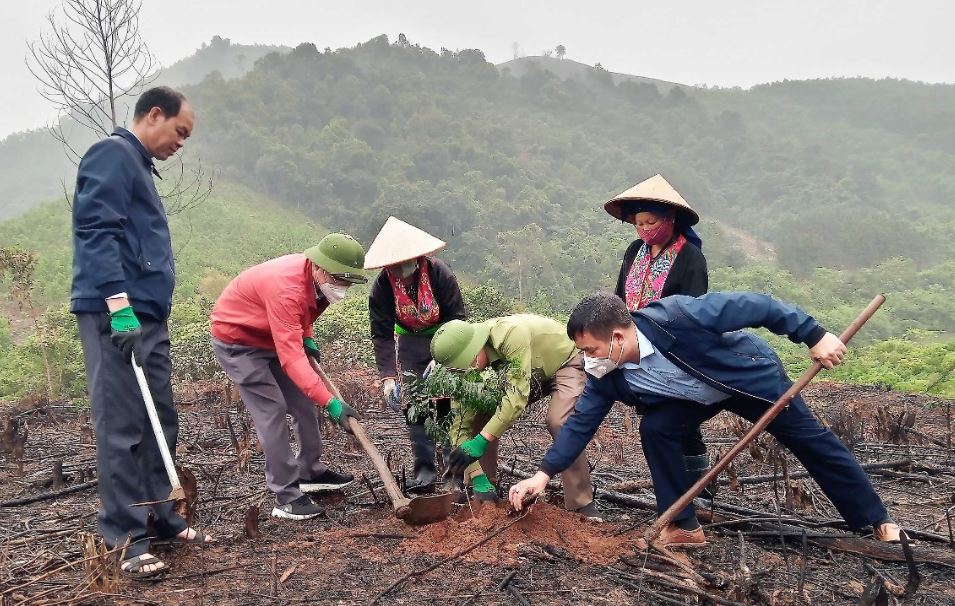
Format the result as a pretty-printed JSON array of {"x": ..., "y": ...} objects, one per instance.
[{"x": 545, "y": 525}]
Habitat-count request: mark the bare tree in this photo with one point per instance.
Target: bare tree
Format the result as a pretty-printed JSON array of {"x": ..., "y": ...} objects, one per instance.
[
  {"x": 92, "y": 56},
  {"x": 91, "y": 59},
  {"x": 561, "y": 50}
]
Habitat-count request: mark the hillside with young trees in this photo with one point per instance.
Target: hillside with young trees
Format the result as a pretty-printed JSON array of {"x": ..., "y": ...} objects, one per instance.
[{"x": 821, "y": 192}]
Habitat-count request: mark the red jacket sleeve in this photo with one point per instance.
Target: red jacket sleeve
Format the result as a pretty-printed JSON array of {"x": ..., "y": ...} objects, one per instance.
[{"x": 288, "y": 326}]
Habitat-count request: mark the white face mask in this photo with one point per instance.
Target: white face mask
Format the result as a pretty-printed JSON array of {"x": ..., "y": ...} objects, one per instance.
[
  {"x": 598, "y": 367},
  {"x": 332, "y": 293}
]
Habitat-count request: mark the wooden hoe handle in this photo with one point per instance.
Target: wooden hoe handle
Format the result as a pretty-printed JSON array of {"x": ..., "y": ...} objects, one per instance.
[{"x": 398, "y": 500}]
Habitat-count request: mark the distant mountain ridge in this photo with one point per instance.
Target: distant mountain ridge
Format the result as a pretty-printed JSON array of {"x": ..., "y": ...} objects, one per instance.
[{"x": 569, "y": 69}]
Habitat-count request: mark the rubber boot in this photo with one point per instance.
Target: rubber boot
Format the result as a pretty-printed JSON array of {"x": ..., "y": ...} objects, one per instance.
[
  {"x": 696, "y": 466},
  {"x": 422, "y": 446}
]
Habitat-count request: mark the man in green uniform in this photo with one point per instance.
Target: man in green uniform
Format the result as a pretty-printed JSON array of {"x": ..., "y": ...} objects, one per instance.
[{"x": 542, "y": 361}]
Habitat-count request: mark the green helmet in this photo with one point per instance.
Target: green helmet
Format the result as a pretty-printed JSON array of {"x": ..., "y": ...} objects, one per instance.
[
  {"x": 457, "y": 343},
  {"x": 341, "y": 256}
]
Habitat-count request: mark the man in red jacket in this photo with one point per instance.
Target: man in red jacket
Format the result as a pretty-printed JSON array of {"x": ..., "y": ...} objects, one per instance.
[{"x": 262, "y": 337}]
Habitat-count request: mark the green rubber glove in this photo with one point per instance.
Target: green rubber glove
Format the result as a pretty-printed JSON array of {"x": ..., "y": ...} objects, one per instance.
[
  {"x": 465, "y": 454},
  {"x": 124, "y": 320},
  {"x": 126, "y": 333},
  {"x": 311, "y": 349},
  {"x": 475, "y": 446},
  {"x": 340, "y": 412},
  {"x": 482, "y": 484}
]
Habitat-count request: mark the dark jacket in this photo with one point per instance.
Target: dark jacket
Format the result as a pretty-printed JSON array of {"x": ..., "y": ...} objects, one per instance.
[
  {"x": 120, "y": 233},
  {"x": 702, "y": 336},
  {"x": 381, "y": 311},
  {"x": 688, "y": 275}
]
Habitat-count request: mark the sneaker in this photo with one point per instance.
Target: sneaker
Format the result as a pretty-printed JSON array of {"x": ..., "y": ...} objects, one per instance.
[
  {"x": 301, "y": 508},
  {"x": 330, "y": 480},
  {"x": 591, "y": 513}
]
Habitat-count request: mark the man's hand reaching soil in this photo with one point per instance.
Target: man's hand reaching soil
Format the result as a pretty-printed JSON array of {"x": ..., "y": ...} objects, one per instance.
[{"x": 527, "y": 488}]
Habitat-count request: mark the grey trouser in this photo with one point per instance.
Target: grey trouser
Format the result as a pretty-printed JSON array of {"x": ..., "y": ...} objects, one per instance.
[
  {"x": 269, "y": 395},
  {"x": 128, "y": 463}
]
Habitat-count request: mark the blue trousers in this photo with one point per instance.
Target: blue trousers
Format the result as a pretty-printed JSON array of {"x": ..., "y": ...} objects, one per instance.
[{"x": 664, "y": 426}]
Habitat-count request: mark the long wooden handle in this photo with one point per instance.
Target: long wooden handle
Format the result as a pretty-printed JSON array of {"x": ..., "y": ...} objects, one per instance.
[
  {"x": 667, "y": 517},
  {"x": 398, "y": 500}
]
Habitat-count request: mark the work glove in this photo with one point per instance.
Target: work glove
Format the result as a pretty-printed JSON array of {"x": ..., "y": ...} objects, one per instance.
[
  {"x": 391, "y": 391},
  {"x": 465, "y": 454},
  {"x": 340, "y": 412},
  {"x": 311, "y": 349},
  {"x": 126, "y": 333},
  {"x": 482, "y": 484}
]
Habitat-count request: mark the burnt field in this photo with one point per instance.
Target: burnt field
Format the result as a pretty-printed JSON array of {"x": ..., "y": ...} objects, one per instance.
[{"x": 773, "y": 537}]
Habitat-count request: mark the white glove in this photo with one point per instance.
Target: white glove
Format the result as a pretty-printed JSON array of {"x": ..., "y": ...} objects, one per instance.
[
  {"x": 428, "y": 369},
  {"x": 392, "y": 394}
]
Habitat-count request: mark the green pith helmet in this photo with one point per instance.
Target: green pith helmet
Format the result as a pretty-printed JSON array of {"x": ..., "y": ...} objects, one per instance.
[
  {"x": 457, "y": 343},
  {"x": 341, "y": 256}
]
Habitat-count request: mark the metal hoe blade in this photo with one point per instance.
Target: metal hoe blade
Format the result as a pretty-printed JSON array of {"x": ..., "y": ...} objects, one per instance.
[{"x": 427, "y": 509}]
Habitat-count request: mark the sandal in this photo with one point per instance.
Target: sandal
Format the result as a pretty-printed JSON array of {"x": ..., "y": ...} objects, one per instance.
[
  {"x": 197, "y": 539},
  {"x": 133, "y": 567}
]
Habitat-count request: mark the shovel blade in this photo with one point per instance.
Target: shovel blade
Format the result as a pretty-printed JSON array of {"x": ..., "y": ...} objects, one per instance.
[{"x": 429, "y": 509}]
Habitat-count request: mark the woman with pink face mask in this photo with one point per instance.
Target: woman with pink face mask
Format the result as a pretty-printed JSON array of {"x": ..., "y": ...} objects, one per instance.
[{"x": 665, "y": 259}]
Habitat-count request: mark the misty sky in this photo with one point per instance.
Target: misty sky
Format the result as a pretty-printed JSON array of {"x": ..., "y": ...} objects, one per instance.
[{"x": 725, "y": 42}]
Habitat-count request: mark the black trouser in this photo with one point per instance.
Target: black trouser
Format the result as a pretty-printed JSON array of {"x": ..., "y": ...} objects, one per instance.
[
  {"x": 828, "y": 461},
  {"x": 128, "y": 464},
  {"x": 414, "y": 355}
]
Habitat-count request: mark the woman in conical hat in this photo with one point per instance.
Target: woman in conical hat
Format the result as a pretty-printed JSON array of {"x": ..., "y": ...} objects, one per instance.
[
  {"x": 665, "y": 259},
  {"x": 414, "y": 294}
]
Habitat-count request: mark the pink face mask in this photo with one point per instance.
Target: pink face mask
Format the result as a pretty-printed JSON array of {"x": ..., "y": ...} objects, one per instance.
[{"x": 660, "y": 234}]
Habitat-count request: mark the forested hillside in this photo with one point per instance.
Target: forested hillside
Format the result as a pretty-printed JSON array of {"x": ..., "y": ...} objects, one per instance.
[
  {"x": 822, "y": 192},
  {"x": 840, "y": 173}
]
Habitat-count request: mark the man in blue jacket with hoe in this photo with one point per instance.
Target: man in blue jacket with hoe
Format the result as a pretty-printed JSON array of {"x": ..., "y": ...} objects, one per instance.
[
  {"x": 123, "y": 279},
  {"x": 686, "y": 359}
]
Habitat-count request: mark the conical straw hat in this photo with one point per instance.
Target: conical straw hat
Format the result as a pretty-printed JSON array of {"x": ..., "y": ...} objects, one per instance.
[
  {"x": 654, "y": 189},
  {"x": 398, "y": 241}
]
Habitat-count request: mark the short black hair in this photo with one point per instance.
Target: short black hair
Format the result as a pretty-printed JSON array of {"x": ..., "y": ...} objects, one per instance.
[
  {"x": 167, "y": 99},
  {"x": 598, "y": 315}
]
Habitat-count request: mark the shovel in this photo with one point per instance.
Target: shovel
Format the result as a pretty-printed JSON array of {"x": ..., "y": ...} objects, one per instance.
[
  {"x": 424, "y": 509},
  {"x": 177, "y": 493}
]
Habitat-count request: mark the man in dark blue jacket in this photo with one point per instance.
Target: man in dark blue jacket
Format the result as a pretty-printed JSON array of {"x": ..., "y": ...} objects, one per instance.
[
  {"x": 686, "y": 359},
  {"x": 123, "y": 279}
]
